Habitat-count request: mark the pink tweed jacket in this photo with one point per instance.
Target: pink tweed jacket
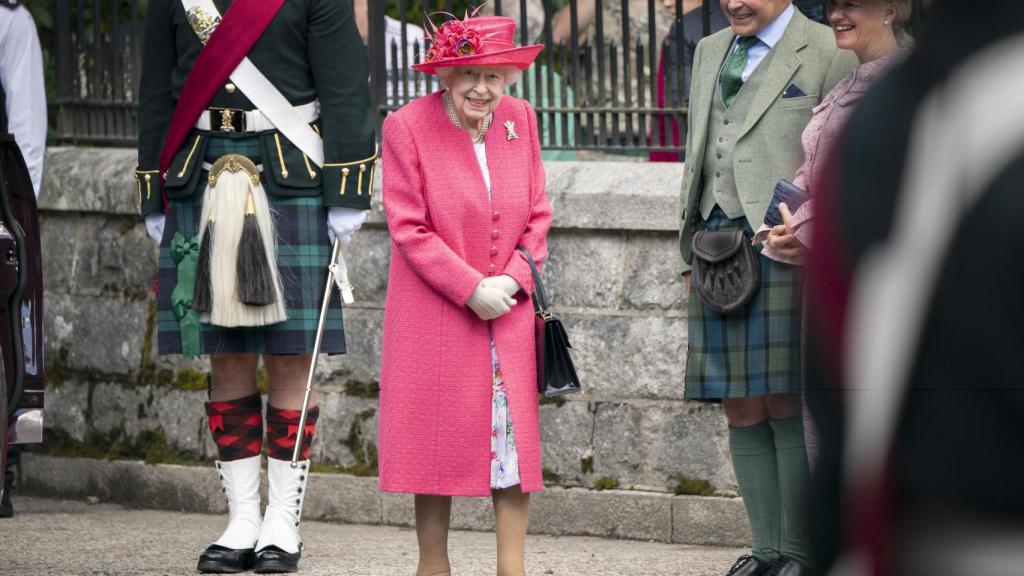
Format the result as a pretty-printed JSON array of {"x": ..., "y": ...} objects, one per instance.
[{"x": 435, "y": 391}]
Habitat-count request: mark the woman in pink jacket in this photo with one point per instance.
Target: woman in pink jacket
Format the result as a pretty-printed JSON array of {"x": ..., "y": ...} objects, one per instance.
[{"x": 463, "y": 188}]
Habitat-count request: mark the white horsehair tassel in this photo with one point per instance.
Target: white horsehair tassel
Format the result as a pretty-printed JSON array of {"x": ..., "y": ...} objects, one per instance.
[{"x": 339, "y": 271}]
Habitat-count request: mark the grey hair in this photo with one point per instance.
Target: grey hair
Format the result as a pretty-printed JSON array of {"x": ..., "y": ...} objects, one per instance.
[{"x": 510, "y": 73}]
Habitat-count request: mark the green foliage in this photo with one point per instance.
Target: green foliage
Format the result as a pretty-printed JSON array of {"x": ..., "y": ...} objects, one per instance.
[
  {"x": 693, "y": 486},
  {"x": 606, "y": 483}
]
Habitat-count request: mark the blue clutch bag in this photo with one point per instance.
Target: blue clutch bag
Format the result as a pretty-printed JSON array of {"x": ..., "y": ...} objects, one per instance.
[{"x": 786, "y": 192}]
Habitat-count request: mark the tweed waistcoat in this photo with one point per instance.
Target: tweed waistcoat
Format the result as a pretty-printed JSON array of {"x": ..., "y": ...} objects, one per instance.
[{"x": 724, "y": 127}]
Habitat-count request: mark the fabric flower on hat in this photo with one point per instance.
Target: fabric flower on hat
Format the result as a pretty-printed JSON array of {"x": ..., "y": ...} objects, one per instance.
[{"x": 453, "y": 39}]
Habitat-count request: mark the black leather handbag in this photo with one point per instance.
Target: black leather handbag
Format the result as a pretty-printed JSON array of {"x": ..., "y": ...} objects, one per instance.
[
  {"x": 726, "y": 272},
  {"x": 556, "y": 374}
]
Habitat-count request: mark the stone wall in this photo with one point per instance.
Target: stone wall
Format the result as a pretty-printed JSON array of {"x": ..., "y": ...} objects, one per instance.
[{"x": 612, "y": 275}]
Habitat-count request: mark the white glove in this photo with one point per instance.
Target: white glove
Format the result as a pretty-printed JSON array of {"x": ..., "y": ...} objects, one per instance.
[
  {"x": 342, "y": 223},
  {"x": 489, "y": 303},
  {"x": 505, "y": 283},
  {"x": 155, "y": 226}
]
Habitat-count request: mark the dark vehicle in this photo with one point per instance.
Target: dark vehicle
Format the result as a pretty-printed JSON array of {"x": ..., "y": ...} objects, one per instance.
[{"x": 21, "y": 304}]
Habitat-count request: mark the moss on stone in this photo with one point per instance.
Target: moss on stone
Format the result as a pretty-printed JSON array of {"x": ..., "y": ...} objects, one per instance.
[
  {"x": 57, "y": 370},
  {"x": 692, "y": 486},
  {"x": 550, "y": 476},
  {"x": 364, "y": 451},
  {"x": 587, "y": 465},
  {"x": 557, "y": 401},
  {"x": 606, "y": 483},
  {"x": 262, "y": 381},
  {"x": 189, "y": 380},
  {"x": 149, "y": 445},
  {"x": 369, "y": 389}
]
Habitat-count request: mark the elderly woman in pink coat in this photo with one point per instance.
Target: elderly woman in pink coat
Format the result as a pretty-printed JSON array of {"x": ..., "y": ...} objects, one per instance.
[{"x": 463, "y": 188}]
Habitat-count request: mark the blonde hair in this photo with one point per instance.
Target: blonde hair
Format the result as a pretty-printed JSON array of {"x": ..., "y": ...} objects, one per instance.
[{"x": 900, "y": 23}]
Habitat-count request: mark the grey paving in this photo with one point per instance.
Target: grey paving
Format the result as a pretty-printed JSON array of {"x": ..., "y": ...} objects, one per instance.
[{"x": 49, "y": 537}]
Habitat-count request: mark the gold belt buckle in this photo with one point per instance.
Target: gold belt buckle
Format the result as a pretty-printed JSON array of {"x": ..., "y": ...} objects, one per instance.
[{"x": 227, "y": 120}]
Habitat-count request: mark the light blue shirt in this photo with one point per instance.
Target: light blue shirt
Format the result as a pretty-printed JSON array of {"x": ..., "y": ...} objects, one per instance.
[{"x": 768, "y": 38}]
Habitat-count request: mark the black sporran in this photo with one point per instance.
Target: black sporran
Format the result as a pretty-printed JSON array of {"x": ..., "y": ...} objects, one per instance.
[
  {"x": 726, "y": 272},
  {"x": 556, "y": 374}
]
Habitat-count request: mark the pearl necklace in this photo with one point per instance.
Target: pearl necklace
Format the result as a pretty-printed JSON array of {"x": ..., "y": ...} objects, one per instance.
[{"x": 449, "y": 106}]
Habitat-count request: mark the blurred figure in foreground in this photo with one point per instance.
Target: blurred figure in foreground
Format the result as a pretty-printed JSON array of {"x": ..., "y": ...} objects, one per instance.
[
  {"x": 918, "y": 311},
  {"x": 23, "y": 117}
]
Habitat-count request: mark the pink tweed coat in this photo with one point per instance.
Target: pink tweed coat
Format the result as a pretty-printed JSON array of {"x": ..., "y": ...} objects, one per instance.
[{"x": 435, "y": 389}]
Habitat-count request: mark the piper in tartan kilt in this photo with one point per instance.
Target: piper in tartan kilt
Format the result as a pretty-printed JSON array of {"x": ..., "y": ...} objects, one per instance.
[
  {"x": 754, "y": 86},
  {"x": 256, "y": 148}
]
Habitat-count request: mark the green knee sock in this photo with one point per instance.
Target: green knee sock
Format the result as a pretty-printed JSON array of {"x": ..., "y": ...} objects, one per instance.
[
  {"x": 755, "y": 463},
  {"x": 794, "y": 482}
]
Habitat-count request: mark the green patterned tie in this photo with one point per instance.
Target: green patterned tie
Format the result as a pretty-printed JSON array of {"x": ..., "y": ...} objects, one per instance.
[{"x": 732, "y": 73}]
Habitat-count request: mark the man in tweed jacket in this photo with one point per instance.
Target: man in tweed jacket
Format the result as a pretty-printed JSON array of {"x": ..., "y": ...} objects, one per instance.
[{"x": 753, "y": 90}]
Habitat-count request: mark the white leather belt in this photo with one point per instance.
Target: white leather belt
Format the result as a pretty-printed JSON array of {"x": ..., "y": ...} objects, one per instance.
[{"x": 234, "y": 120}]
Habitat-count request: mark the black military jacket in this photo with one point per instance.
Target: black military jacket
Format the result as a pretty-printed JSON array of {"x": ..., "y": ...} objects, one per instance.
[{"x": 311, "y": 50}]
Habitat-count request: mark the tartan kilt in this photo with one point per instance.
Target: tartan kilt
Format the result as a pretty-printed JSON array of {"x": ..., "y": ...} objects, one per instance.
[
  {"x": 754, "y": 352},
  {"x": 303, "y": 252}
]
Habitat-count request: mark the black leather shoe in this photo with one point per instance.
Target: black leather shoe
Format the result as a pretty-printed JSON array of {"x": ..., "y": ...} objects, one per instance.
[
  {"x": 747, "y": 565},
  {"x": 220, "y": 560},
  {"x": 784, "y": 566},
  {"x": 273, "y": 560},
  {"x": 6, "y": 509}
]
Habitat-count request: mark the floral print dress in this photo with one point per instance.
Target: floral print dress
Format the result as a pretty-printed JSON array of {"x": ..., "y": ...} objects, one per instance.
[{"x": 504, "y": 459}]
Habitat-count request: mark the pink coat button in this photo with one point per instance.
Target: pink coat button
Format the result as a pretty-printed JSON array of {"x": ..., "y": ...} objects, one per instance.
[
  {"x": 491, "y": 268},
  {"x": 494, "y": 234},
  {"x": 495, "y": 215},
  {"x": 494, "y": 250}
]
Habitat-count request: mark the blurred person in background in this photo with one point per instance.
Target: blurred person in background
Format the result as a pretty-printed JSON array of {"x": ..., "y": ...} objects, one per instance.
[
  {"x": 550, "y": 125},
  {"x": 915, "y": 369},
  {"x": 413, "y": 48},
  {"x": 22, "y": 114},
  {"x": 666, "y": 129}
]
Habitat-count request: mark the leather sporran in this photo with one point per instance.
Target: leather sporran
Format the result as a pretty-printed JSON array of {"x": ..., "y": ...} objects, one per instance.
[
  {"x": 556, "y": 374},
  {"x": 726, "y": 272}
]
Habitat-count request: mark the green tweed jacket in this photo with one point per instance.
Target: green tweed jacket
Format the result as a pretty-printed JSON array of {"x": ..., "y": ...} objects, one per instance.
[{"x": 769, "y": 146}]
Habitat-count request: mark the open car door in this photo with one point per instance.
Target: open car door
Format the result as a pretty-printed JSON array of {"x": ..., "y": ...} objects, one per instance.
[{"x": 21, "y": 301}]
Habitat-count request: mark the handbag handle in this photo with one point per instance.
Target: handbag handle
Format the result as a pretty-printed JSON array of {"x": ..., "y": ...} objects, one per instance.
[{"x": 540, "y": 297}]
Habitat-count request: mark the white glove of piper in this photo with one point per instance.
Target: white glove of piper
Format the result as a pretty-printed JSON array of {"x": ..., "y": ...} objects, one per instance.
[
  {"x": 489, "y": 303},
  {"x": 505, "y": 283},
  {"x": 342, "y": 223},
  {"x": 155, "y": 226}
]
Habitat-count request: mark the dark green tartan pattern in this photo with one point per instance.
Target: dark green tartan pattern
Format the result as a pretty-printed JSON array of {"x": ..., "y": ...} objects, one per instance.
[
  {"x": 755, "y": 352},
  {"x": 303, "y": 252}
]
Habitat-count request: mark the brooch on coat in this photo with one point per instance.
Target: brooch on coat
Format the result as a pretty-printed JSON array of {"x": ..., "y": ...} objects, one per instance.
[{"x": 510, "y": 127}]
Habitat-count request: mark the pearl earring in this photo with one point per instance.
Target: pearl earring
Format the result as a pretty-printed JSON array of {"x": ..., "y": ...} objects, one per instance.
[{"x": 886, "y": 22}]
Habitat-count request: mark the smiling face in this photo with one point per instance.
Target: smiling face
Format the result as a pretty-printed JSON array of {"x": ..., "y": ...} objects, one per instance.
[
  {"x": 749, "y": 17},
  {"x": 476, "y": 91},
  {"x": 863, "y": 26}
]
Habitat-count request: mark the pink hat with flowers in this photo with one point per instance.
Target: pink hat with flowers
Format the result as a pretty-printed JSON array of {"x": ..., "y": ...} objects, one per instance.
[{"x": 476, "y": 41}]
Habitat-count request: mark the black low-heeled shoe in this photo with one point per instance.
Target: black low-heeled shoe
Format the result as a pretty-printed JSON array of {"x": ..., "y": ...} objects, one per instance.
[
  {"x": 273, "y": 560},
  {"x": 217, "y": 559}
]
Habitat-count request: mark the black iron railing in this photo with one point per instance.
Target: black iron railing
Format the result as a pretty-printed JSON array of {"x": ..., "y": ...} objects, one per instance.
[
  {"x": 613, "y": 82},
  {"x": 98, "y": 55}
]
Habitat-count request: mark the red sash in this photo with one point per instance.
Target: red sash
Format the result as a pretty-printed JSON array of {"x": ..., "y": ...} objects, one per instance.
[{"x": 240, "y": 28}]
